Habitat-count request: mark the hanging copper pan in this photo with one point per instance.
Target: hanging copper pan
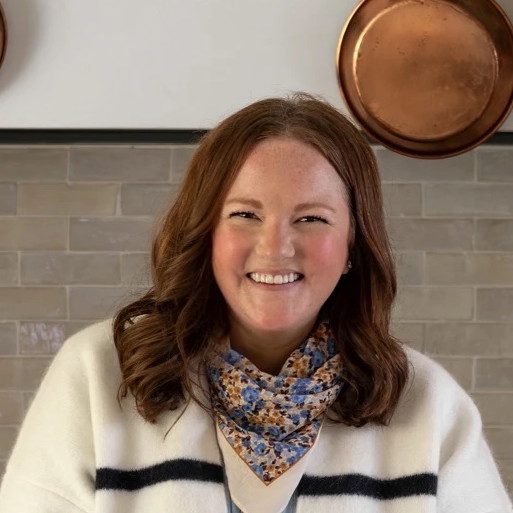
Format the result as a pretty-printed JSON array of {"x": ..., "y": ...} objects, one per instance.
[{"x": 427, "y": 78}]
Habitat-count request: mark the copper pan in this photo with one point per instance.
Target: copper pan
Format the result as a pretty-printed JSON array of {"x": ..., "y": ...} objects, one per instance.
[{"x": 427, "y": 78}]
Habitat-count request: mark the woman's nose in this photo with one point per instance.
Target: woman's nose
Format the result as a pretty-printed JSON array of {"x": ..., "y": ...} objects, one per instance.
[{"x": 276, "y": 242}]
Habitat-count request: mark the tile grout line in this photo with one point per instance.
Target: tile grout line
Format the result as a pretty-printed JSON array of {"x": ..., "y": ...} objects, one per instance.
[{"x": 474, "y": 369}]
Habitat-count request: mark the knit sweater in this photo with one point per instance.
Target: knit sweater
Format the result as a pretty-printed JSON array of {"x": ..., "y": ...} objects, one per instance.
[{"x": 79, "y": 451}]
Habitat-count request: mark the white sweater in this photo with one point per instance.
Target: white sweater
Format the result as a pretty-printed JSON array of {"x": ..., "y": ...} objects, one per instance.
[{"x": 80, "y": 452}]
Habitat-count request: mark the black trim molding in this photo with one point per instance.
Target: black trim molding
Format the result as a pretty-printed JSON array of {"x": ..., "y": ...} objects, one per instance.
[
  {"x": 90, "y": 136},
  {"x": 130, "y": 136}
]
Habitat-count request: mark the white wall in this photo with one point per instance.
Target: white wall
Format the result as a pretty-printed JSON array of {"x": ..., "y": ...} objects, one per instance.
[{"x": 164, "y": 63}]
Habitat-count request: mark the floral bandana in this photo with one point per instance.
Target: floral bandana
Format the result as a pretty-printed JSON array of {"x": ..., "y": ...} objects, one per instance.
[{"x": 272, "y": 421}]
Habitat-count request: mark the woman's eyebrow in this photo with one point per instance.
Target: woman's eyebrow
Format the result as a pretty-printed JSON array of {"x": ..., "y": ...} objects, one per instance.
[
  {"x": 307, "y": 206},
  {"x": 299, "y": 207},
  {"x": 245, "y": 201}
]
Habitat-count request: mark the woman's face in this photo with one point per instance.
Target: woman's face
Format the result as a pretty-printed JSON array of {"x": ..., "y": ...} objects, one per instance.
[{"x": 281, "y": 242}]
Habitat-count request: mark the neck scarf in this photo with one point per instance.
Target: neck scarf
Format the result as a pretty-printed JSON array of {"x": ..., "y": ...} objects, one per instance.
[{"x": 272, "y": 421}]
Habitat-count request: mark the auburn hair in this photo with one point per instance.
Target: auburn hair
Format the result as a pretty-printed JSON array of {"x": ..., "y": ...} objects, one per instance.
[{"x": 168, "y": 332}]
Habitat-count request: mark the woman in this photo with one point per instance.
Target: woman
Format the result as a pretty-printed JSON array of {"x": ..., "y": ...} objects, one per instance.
[{"x": 258, "y": 372}]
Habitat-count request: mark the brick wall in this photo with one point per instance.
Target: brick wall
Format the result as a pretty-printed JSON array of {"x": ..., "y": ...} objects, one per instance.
[{"x": 75, "y": 223}]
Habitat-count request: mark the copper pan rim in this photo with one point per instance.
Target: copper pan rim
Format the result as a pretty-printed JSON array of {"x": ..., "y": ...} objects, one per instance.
[
  {"x": 3, "y": 35},
  {"x": 427, "y": 78}
]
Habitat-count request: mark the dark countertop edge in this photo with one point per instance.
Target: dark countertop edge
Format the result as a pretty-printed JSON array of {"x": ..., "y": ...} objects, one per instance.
[{"x": 146, "y": 136}]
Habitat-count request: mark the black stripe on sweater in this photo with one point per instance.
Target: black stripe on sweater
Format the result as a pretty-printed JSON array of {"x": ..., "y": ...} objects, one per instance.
[
  {"x": 358, "y": 484},
  {"x": 194, "y": 470},
  {"x": 172, "y": 470}
]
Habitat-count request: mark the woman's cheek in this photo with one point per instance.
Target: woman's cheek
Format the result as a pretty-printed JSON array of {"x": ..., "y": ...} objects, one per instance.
[
  {"x": 229, "y": 246},
  {"x": 329, "y": 250}
]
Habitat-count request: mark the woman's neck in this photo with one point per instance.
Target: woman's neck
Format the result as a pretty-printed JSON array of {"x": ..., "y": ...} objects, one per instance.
[{"x": 267, "y": 350}]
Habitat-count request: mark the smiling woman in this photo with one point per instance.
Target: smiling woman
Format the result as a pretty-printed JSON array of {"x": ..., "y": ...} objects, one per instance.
[{"x": 258, "y": 373}]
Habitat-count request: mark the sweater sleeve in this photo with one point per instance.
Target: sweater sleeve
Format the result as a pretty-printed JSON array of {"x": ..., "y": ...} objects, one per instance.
[
  {"x": 469, "y": 481},
  {"x": 52, "y": 466}
]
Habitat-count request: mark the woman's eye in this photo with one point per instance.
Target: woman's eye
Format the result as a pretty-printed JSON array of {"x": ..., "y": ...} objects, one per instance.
[
  {"x": 313, "y": 219},
  {"x": 244, "y": 214}
]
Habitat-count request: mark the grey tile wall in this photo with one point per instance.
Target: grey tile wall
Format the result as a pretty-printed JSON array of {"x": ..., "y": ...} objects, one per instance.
[
  {"x": 120, "y": 164},
  {"x": 34, "y": 164},
  {"x": 146, "y": 199},
  {"x": 33, "y": 233},
  {"x": 8, "y": 194},
  {"x": 75, "y": 228}
]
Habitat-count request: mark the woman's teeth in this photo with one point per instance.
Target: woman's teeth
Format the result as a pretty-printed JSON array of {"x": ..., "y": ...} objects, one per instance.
[{"x": 278, "y": 279}]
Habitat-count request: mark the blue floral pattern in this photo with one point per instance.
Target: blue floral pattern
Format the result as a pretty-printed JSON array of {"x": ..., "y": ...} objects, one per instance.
[{"x": 272, "y": 421}]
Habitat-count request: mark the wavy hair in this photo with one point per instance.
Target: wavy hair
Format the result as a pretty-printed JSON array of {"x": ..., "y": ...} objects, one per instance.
[{"x": 167, "y": 333}]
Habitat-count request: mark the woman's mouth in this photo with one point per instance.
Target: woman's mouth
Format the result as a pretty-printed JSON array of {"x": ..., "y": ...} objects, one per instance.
[{"x": 275, "y": 279}]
